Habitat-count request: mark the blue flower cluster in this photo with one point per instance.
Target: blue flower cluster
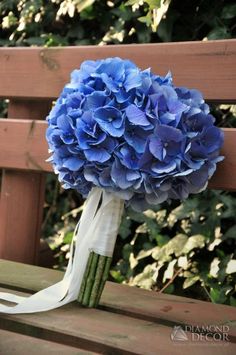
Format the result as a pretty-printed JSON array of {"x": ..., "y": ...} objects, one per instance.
[{"x": 132, "y": 133}]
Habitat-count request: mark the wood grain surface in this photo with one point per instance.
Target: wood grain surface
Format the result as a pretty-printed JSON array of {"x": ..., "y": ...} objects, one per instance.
[
  {"x": 150, "y": 306},
  {"x": 42, "y": 72},
  {"x": 18, "y": 344},
  {"x": 129, "y": 320},
  {"x": 107, "y": 333},
  {"x": 22, "y": 196}
]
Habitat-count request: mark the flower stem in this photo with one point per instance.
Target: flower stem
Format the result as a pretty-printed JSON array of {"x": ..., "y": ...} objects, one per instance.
[
  {"x": 104, "y": 279},
  {"x": 97, "y": 281},
  {"x": 90, "y": 280},
  {"x": 85, "y": 277},
  {"x": 95, "y": 277}
]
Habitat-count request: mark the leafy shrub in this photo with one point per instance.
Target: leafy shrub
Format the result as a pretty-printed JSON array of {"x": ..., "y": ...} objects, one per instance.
[
  {"x": 73, "y": 22},
  {"x": 187, "y": 249}
]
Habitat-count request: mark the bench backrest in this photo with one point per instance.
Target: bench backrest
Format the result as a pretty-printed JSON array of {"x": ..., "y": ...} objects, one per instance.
[{"x": 32, "y": 77}]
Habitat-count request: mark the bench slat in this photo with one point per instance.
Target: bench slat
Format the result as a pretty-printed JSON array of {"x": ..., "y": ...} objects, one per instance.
[
  {"x": 104, "y": 332},
  {"x": 150, "y": 306},
  {"x": 19, "y": 240},
  {"x": 42, "y": 72},
  {"x": 13, "y": 343},
  {"x": 23, "y": 146},
  {"x": 92, "y": 329}
]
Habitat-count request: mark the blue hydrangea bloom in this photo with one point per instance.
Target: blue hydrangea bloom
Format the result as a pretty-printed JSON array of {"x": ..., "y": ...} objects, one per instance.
[{"x": 132, "y": 133}]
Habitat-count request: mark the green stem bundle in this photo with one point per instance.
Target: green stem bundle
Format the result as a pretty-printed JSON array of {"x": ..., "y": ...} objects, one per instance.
[{"x": 95, "y": 277}]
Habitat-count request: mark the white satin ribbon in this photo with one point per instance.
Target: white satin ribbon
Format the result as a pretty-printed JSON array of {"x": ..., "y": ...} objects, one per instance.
[{"x": 96, "y": 231}]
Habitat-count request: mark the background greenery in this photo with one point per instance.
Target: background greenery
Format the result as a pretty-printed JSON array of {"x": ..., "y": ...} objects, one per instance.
[{"x": 185, "y": 248}]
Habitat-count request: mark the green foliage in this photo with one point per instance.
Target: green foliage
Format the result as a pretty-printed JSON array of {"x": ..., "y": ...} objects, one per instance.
[
  {"x": 189, "y": 247},
  {"x": 75, "y": 22},
  {"x": 183, "y": 248},
  {"x": 154, "y": 10},
  {"x": 3, "y": 108}
]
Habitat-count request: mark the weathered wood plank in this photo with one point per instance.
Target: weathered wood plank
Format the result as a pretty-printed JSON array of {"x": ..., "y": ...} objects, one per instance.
[
  {"x": 25, "y": 277},
  {"x": 17, "y": 344},
  {"x": 42, "y": 72},
  {"x": 22, "y": 198},
  {"x": 224, "y": 177},
  {"x": 19, "y": 234},
  {"x": 92, "y": 329},
  {"x": 154, "y": 307},
  {"x": 23, "y": 146},
  {"x": 105, "y": 332}
]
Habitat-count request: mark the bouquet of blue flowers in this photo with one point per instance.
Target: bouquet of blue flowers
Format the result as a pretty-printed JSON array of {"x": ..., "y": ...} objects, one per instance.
[
  {"x": 120, "y": 136},
  {"x": 136, "y": 138}
]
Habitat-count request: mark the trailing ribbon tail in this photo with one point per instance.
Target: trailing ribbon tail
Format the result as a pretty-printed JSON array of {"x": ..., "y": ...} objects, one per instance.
[{"x": 96, "y": 231}]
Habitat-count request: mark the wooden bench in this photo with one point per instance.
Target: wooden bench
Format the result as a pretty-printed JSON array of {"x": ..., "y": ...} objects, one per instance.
[{"x": 129, "y": 320}]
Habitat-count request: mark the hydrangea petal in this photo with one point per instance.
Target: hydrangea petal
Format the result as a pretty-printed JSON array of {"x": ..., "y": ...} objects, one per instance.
[
  {"x": 99, "y": 155},
  {"x": 95, "y": 100},
  {"x": 136, "y": 116},
  {"x": 157, "y": 148},
  {"x": 73, "y": 163},
  {"x": 168, "y": 133},
  {"x": 133, "y": 79}
]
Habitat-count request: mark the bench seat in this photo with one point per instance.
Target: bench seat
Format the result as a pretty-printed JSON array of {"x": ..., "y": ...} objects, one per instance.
[{"x": 128, "y": 321}]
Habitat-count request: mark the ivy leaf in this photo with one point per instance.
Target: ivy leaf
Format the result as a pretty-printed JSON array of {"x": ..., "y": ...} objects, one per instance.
[
  {"x": 174, "y": 246},
  {"x": 154, "y": 3},
  {"x": 38, "y": 41},
  {"x": 231, "y": 233},
  {"x": 146, "y": 19},
  {"x": 145, "y": 278},
  {"x": 190, "y": 281},
  {"x": 229, "y": 12},
  {"x": 144, "y": 254},
  {"x": 231, "y": 267},
  {"x": 183, "y": 262},
  {"x": 218, "y": 33},
  {"x": 131, "y": 2},
  {"x": 68, "y": 238},
  {"x": 169, "y": 272},
  {"x": 170, "y": 289},
  {"x": 223, "y": 266},
  {"x": 127, "y": 249},
  {"x": 132, "y": 261},
  {"x": 162, "y": 239},
  {"x": 83, "y": 4},
  {"x": 117, "y": 276},
  {"x": 214, "y": 267},
  {"x": 218, "y": 295},
  {"x": 125, "y": 226},
  {"x": 195, "y": 241}
]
